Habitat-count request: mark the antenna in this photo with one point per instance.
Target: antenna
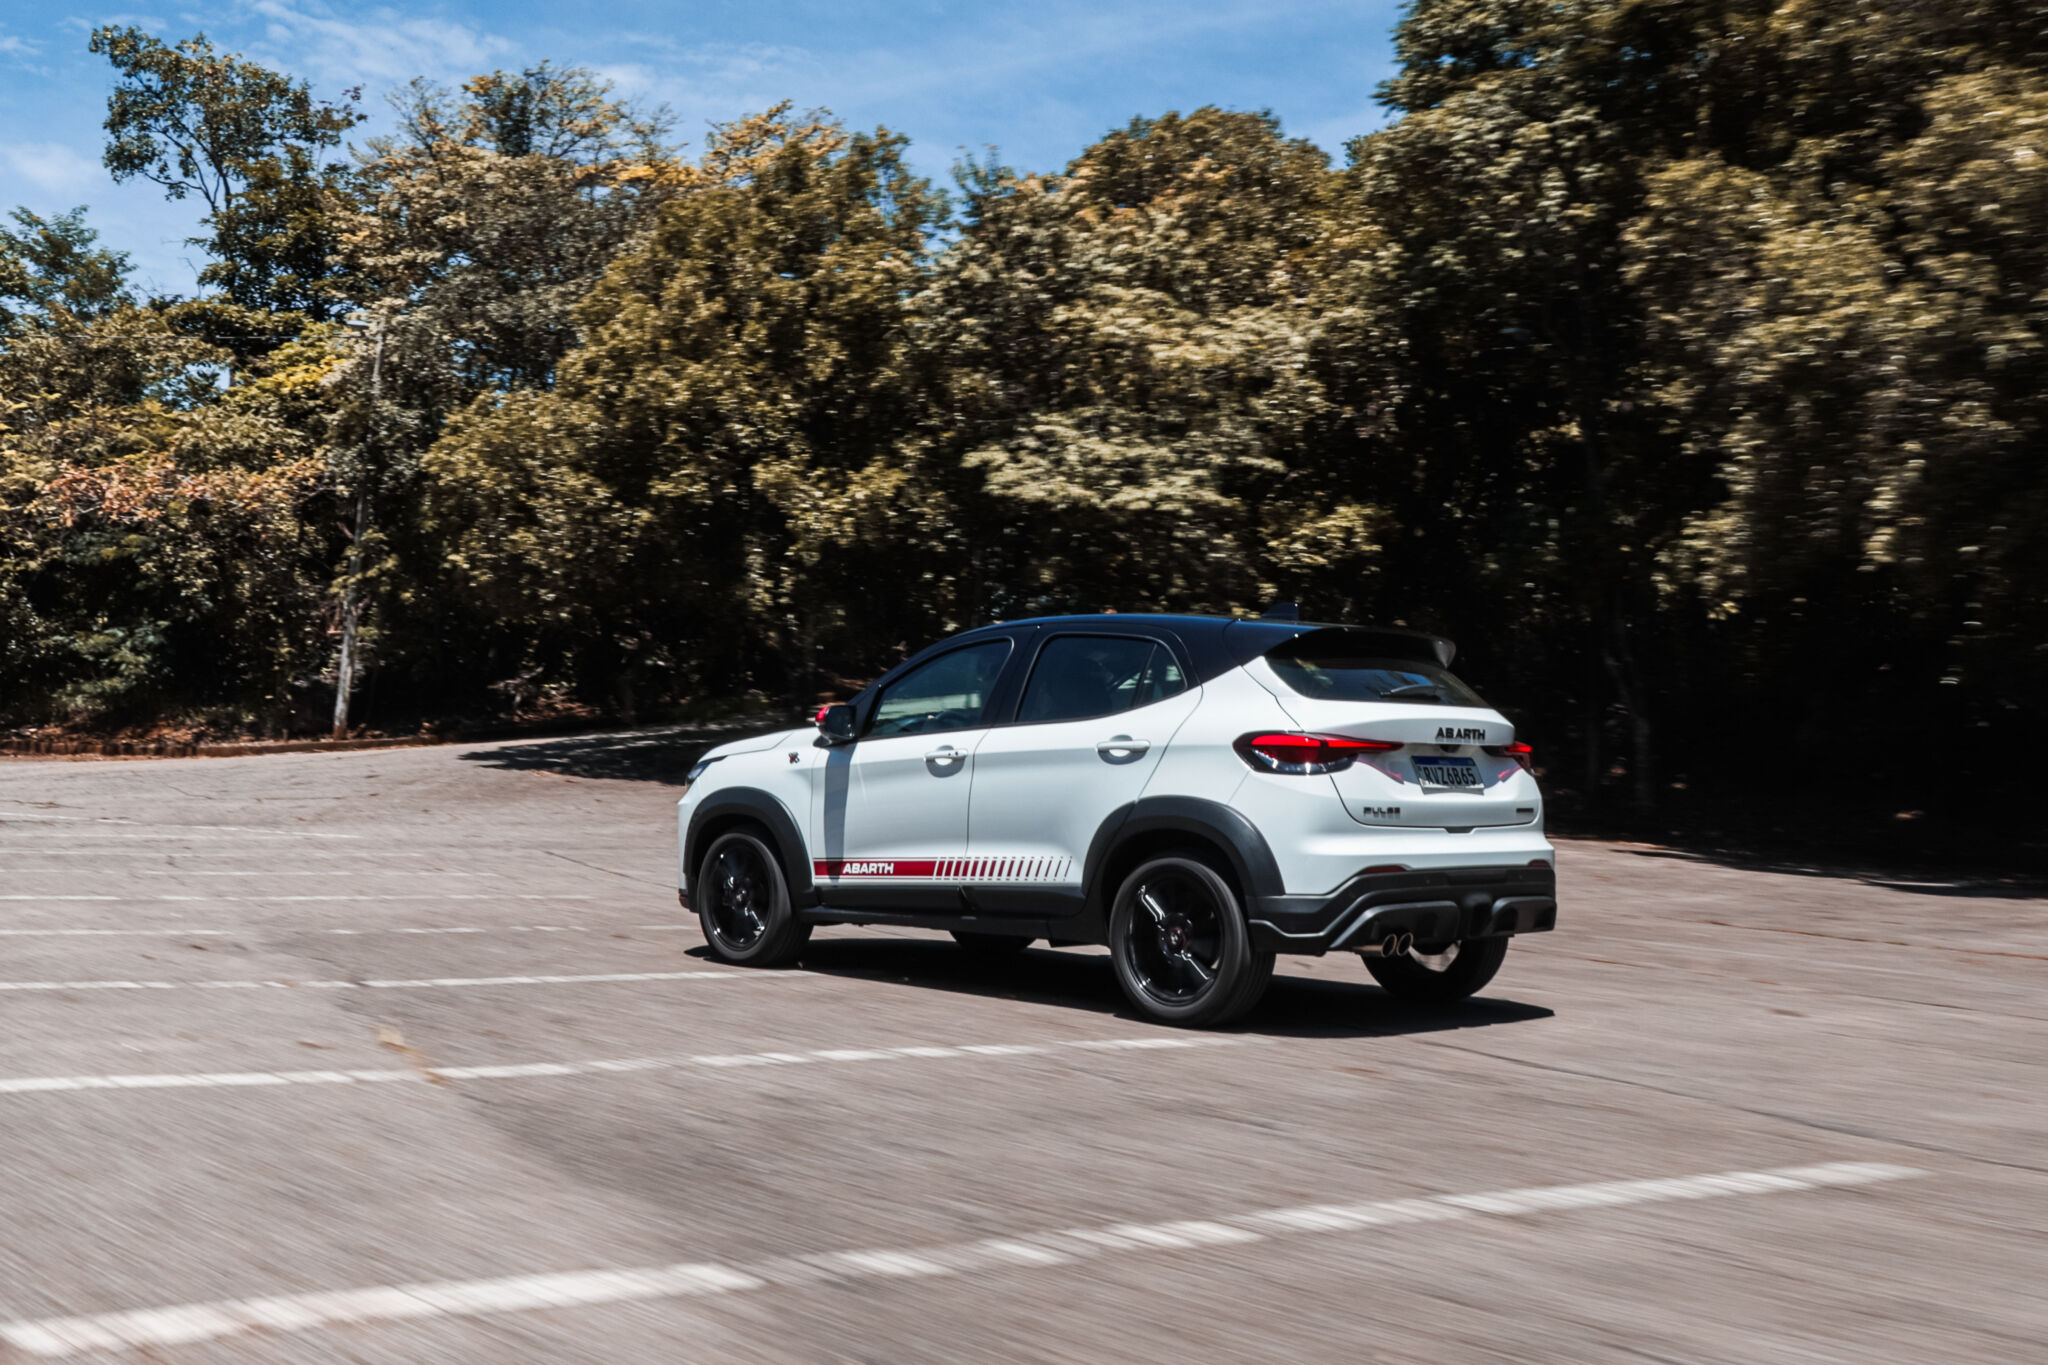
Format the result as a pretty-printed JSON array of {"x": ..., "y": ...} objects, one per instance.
[{"x": 1282, "y": 611}]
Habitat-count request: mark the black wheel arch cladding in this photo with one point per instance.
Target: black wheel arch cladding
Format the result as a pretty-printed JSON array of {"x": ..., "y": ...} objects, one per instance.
[
  {"x": 1155, "y": 819},
  {"x": 737, "y": 805}
]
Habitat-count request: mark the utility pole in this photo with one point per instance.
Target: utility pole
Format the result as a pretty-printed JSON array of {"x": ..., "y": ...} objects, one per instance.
[{"x": 351, "y": 591}]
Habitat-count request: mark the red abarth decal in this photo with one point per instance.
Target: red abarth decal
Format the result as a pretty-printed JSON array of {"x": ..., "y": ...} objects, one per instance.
[
  {"x": 885, "y": 867},
  {"x": 946, "y": 869}
]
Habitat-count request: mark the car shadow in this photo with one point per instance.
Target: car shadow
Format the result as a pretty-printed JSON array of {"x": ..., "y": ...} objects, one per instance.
[
  {"x": 1293, "y": 1007},
  {"x": 661, "y": 754},
  {"x": 1306, "y": 1007}
]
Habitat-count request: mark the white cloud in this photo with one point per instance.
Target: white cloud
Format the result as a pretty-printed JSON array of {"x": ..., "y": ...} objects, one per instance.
[
  {"x": 712, "y": 82},
  {"x": 19, "y": 50},
  {"x": 51, "y": 167},
  {"x": 374, "y": 47},
  {"x": 710, "y": 67},
  {"x": 148, "y": 23}
]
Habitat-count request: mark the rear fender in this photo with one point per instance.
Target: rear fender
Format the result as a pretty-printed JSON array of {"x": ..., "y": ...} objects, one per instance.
[{"x": 1155, "y": 821}]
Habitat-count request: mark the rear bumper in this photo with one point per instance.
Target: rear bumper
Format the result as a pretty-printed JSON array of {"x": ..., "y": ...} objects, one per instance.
[{"x": 1439, "y": 906}]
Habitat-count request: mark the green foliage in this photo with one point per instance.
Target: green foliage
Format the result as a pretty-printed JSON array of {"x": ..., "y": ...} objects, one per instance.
[
  {"x": 155, "y": 536},
  {"x": 727, "y": 445},
  {"x": 51, "y": 273},
  {"x": 1684, "y": 358},
  {"x": 1123, "y": 355},
  {"x": 249, "y": 142},
  {"x": 490, "y": 214},
  {"x": 1743, "y": 289}
]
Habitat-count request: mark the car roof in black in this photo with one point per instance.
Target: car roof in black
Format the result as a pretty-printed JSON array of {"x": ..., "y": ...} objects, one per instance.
[{"x": 1215, "y": 644}]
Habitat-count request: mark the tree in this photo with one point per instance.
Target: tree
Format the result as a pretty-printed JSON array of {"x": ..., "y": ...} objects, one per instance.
[
  {"x": 1851, "y": 330},
  {"x": 1686, "y": 358},
  {"x": 491, "y": 214},
  {"x": 253, "y": 145},
  {"x": 1535, "y": 487},
  {"x": 52, "y": 273},
  {"x": 485, "y": 219},
  {"x": 159, "y": 548},
  {"x": 1124, "y": 351},
  {"x": 1706, "y": 313},
  {"x": 723, "y": 457}
]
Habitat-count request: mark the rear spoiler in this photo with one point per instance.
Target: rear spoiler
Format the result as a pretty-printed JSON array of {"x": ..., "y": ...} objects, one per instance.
[
  {"x": 1382, "y": 641},
  {"x": 1247, "y": 638}
]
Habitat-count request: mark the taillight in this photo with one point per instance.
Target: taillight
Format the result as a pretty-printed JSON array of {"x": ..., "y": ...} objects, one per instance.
[
  {"x": 1305, "y": 755},
  {"x": 1518, "y": 751}
]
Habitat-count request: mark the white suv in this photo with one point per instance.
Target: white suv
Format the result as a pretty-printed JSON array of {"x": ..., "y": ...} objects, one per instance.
[{"x": 1197, "y": 793}]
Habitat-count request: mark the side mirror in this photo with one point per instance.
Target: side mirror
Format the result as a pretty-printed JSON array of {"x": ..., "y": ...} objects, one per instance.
[{"x": 835, "y": 723}]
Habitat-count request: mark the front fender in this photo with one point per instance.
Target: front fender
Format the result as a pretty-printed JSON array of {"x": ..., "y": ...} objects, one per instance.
[{"x": 751, "y": 803}]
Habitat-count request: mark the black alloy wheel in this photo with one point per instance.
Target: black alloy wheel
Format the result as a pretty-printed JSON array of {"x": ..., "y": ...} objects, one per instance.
[
  {"x": 743, "y": 902},
  {"x": 1180, "y": 946}
]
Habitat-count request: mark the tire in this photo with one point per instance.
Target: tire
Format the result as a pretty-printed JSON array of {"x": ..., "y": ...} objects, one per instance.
[
  {"x": 1412, "y": 978},
  {"x": 743, "y": 902},
  {"x": 1178, "y": 941},
  {"x": 992, "y": 945}
]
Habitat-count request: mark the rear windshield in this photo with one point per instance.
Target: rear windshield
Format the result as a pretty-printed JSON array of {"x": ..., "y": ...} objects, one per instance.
[{"x": 1336, "y": 674}]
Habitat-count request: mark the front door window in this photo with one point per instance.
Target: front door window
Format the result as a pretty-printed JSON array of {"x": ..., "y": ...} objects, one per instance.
[{"x": 950, "y": 692}]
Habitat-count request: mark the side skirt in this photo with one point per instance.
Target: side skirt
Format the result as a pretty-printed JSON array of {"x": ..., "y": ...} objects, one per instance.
[{"x": 1018, "y": 925}]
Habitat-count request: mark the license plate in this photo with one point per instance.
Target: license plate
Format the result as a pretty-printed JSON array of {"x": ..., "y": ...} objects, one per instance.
[{"x": 1447, "y": 772}]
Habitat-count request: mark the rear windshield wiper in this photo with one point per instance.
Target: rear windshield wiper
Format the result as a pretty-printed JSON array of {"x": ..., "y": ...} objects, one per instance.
[{"x": 1415, "y": 690}]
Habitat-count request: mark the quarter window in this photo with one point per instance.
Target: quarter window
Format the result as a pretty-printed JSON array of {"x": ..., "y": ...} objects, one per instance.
[
  {"x": 1079, "y": 676},
  {"x": 950, "y": 692}
]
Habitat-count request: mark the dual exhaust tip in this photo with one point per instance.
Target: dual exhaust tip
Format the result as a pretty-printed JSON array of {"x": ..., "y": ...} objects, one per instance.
[{"x": 1393, "y": 945}]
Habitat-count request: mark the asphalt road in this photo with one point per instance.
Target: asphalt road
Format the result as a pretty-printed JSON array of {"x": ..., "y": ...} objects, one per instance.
[{"x": 409, "y": 1056}]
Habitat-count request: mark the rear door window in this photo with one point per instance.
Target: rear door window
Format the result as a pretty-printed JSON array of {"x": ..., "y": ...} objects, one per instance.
[
  {"x": 1081, "y": 676},
  {"x": 950, "y": 692}
]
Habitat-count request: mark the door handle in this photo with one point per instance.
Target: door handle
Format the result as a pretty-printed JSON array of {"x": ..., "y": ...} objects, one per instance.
[
  {"x": 944, "y": 754},
  {"x": 1120, "y": 745}
]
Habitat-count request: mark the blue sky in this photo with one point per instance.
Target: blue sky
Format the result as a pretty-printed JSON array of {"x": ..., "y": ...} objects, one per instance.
[{"x": 1038, "y": 81}]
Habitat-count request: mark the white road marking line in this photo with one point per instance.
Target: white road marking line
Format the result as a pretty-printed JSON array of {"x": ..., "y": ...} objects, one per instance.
[
  {"x": 450, "y": 896},
  {"x": 324, "y": 872},
  {"x": 591, "y": 978},
  {"x": 172, "y": 932},
  {"x": 198, "y": 832},
  {"x": 181, "y": 931},
  {"x": 504, "y": 929},
  {"x": 303, "y": 1312},
  {"x": 381, "y": 859},
  {"x": 303, "y": 900},
  {"x": 166, "y": 899},
  {"x": 29, "y": 817},
  {"x": 177, "y": 1324},
  {"x": 9, "y": 817},
  {"x": 26, "y": 1085}
]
